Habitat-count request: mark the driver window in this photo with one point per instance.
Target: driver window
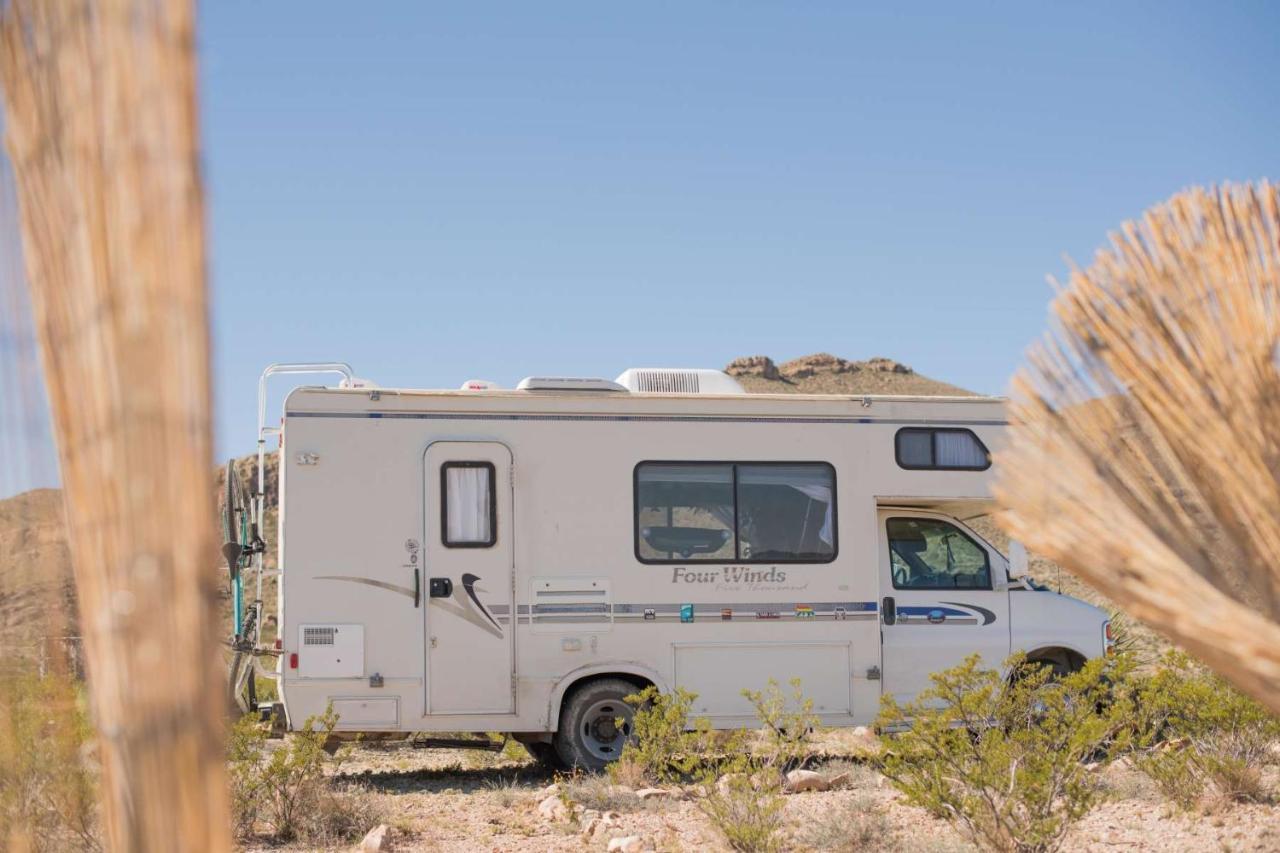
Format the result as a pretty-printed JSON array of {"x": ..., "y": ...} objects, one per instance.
[{"x": 926, "y": 553}]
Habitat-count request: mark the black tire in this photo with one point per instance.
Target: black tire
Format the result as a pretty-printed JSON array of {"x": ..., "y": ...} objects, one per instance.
[
  {"x": 545, "y": 754},
  {"x": 589, "y": 737}
]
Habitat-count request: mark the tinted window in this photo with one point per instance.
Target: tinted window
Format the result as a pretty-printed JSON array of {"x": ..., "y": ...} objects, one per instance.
[
  {"x": 925, "y": 553},
  {"x": 684, "y": 512},
  {"x": 786, "y": 512},
  {"x": 735, "y": 512},
  {"x": 941, "y": 449}
]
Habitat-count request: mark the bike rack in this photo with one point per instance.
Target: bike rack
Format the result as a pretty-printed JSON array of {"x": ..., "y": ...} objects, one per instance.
[{"x": 259, "y": 494}]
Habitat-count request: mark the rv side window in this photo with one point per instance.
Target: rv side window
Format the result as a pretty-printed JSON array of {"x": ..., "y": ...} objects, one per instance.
[
  {"x": 925, "y": 553},
  {"x": 468, "y": 506},
  {"x": 723, "y": 512},
  {"x": 940, "y": 450}
]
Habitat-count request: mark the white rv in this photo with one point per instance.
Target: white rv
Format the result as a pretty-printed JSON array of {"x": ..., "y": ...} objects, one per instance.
[{"x": 520, "y": 560}]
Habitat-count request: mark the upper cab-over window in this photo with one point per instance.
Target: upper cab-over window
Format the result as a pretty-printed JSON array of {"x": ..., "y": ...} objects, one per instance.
[{"x": 940, "y": 449}]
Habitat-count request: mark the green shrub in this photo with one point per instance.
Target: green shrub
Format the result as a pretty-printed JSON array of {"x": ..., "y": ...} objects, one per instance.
[
  {"x": 739, "y": 773},
  {"x": 287, "y": 789},
  {"x": 664, "y": 746},
  {"x": 1001, "y": 758},
  {"x": 48, "y": 781},
  {"x": 744, "y": 808},
  {"x": 1196, "y": 736}
]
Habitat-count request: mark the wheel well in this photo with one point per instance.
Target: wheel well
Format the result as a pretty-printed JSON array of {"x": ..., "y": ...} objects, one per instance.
[
  {"x": 639, "y": 681},
  {"x": 1069, "y": 659}
]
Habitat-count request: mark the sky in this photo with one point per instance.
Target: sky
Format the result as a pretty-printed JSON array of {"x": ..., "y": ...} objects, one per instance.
[{"x": 435, "y": 193}]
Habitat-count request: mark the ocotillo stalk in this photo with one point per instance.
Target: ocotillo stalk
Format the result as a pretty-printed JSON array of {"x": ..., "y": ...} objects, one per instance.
[
  {"x": 100, "y": 118},
  {"x": 1144, "y": 449}
]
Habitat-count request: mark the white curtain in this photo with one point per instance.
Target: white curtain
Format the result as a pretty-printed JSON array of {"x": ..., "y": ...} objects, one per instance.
[
  {"x": 467, "y": 492},
  {"x": 958, "y": 450}
]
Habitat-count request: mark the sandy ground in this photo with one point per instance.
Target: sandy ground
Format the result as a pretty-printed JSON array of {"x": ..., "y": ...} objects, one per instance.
[{"x": 448, "y": 800}]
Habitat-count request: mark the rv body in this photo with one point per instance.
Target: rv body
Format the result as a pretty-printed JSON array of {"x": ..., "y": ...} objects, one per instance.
[{"x": 472, "y": 560}]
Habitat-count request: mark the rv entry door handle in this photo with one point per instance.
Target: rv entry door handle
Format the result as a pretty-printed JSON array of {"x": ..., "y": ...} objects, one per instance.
[
  {"x": 441, "y": 588},
  {"x": 889, "y": 610},
  {"x": 417, "y": 587}
]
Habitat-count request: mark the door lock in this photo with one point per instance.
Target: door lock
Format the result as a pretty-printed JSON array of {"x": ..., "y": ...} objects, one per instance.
[{"x": 440, "y": 587}]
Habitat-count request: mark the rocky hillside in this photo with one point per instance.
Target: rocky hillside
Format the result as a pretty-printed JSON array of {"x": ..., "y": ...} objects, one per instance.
[
  {"x": 823, "y": 373},
  {"x": 35, "y": 575}
]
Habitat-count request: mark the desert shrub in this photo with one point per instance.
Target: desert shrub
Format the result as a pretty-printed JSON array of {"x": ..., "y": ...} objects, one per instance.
[
  {"x": 786, "y": 734},
  {"x": 286, "y": 788},
  {"x": 1196, "y": 736},
  {"x": 1003, "y": 759},
  {"x": 860, "y": 826},
  {"x": 665, "y": 747},
  {"x": 745, "y": 809},
  {"x": 48, "y": 780},
  {"x": 739, "y": 773}
]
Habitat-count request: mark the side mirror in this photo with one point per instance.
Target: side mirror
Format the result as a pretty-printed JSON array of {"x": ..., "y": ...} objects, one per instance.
[{"x": 1019, "y": 564}]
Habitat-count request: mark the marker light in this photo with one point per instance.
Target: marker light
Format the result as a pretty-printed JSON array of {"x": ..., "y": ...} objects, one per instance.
[{"x": 293, "y": 660}]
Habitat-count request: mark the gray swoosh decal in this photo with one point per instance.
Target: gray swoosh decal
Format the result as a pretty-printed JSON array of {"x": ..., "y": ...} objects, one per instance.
[
  {"x": 408, "y": 593},
  {"x": 987, "y": 616}
]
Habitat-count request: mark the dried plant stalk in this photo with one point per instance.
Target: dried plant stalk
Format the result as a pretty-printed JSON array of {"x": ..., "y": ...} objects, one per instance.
[
  {"x": 1144, "y": 451},
  {"x": 100, "y": 113}
]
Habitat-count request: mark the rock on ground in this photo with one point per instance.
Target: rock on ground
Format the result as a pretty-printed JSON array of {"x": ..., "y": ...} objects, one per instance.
[{"x": 799, "y": 781}]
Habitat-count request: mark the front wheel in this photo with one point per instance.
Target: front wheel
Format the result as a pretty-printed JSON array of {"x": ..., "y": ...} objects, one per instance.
[{"x": 595, "y": 724}]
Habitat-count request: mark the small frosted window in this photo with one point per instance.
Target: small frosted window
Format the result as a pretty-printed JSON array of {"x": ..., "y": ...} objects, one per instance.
[
  {"x": 469, "y": 507},
  {"x": 941, "y": 449}
]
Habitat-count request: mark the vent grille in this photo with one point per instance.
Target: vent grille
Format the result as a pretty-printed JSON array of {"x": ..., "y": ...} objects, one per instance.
[
  {"x": 319, "y": 636},
  {"x": 667, "y": 382}
]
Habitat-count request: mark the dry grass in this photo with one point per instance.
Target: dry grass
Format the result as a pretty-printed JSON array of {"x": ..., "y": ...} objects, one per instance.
[
  {"x": 100, "y": 120},
  {"x": 1145, "y": 433}
]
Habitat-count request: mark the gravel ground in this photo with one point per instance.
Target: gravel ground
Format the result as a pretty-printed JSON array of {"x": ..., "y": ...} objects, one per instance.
[{"x": 448, "y": 800}]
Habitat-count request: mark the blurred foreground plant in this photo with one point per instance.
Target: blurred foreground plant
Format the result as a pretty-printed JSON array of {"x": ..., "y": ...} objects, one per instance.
[{"x": 48, "y": 794}]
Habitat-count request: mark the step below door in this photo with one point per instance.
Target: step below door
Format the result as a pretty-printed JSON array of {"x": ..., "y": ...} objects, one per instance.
[{"x": 468, "y": 578}]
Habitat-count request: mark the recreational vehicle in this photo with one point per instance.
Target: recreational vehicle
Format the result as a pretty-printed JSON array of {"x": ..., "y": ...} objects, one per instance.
[{"x": 520, "y": 560}]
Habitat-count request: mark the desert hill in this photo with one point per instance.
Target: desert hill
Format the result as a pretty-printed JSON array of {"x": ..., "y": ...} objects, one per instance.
[
  {"x": 35, "y": 565},
  {"x": 823, "y": 373}
]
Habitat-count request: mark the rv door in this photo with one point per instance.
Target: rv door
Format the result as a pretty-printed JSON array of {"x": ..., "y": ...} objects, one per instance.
[
  {"x": 468, "y": 586},
  {"x": 943, "y": 598}
]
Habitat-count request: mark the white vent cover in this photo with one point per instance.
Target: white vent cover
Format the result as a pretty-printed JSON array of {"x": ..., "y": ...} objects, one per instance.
[
  {"x": 649, "y": 380},
  {"x": 479, "y": 385},
  {"x": 567, "y": 383}
]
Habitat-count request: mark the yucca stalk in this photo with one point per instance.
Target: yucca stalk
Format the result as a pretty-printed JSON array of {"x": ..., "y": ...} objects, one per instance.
[
  {"x": 100, "y": 119},
  {"x": 1144, "y": 451}
]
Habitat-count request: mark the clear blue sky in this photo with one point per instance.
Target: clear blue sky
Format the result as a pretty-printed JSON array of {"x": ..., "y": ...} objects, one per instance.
[{"x": 435, "y": 193}]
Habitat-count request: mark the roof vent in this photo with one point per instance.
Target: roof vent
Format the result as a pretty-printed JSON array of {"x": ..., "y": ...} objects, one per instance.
[
  {"x": 567, "y": 383},
  {"x": 479, "y": 385},
  {"x": 646, "y": 380}
]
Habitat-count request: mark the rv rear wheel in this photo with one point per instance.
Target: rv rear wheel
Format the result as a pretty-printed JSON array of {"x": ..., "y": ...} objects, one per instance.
[{"x": 595, "y": 723}]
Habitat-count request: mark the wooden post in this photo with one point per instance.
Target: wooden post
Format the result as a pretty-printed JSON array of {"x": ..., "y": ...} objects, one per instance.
[{"x": 101, "y": 128}]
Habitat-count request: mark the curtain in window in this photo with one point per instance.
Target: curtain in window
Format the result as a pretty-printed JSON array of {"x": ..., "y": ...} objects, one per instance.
[
  {"x": 467, "y": 492},
  {"x": 958, "y": 450}
]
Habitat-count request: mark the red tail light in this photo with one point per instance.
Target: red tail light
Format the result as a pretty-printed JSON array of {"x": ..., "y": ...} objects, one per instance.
[{"x": 293, "y": 660}]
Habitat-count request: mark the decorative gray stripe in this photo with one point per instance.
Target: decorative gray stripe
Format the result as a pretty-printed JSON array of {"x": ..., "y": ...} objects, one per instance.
[
  {"x": 712, "y": 419},
  {"x": 405, "y": 591}
]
